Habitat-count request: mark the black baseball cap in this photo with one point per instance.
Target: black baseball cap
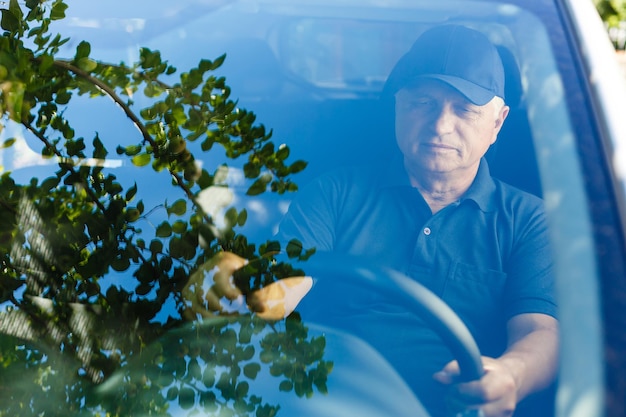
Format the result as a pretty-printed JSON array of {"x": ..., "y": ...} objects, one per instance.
[{"x": 461, "y": 57}]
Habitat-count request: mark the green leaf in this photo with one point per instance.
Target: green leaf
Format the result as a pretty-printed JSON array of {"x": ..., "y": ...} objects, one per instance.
[
  {"x": 208, "y": 377},
  {"x": 87, "y": 64},
  {"x": 285, "y": 386},
  {"x": 271, "y": 246},
  {"x": 143, "y": 289},
  {"x": 49, "y": 183},
  {"x": 251, "y": 370},
  {"x": 164, "y": 230},
  {"x": 9, "y": 21},
  {"x": 131, "y": 150},
  {"x": 172, "y": 393},
  {"x": 205, "y": 180},
  {"x": 131, "y": 192},
  {"x": 156, "y": 246},
  {"x": 231, "y": 216},
  {"x": 8, "y": 143},
  {"x": 58, "y": 10},
  {"x": 63, "y": 96},
  {"x": 113, "y": 188},
  {"x": 179, "y": 226},
  {"x": 132, "y": 215},
  {"x": 152, "y": 90},
  {"x": 242, "y": 389},
  {"x": 218, "y": 62},
  {"x": 46, "y": 62},
  {"x": 82, "y": 51},
  {"x": 141, "y": 159},
  {"x": 283, "y": 152},
  {"x": 248, "y": 351},
  {"x": 194, "y": 370},
  {"x": 166, "y": 263},
  {"x": 294, "y": 248},
  {"x": 15, "y": 9},
  {"x": 179, "y": 208},
  {"x": 297, "y": 167},
  {"x": 178, "y": 112},
  {"x": 251, "y": 169},
  {"x": 121, "y": 264},
  {"x": 260, "y": 185},
  {"x": 242, "y": 217},
  {"x": 181, "y": 248},
  {"x": 149, "y": 59}
]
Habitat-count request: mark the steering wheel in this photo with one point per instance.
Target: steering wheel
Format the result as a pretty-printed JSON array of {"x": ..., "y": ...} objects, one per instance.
[{"x": 415, "y": 298}]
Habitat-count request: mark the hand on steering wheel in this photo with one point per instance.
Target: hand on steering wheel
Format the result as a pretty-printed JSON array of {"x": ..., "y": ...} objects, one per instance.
[{"x": 211, "y": 290}]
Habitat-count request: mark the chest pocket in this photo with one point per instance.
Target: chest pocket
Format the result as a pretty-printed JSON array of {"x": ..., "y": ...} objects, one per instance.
[{"x": 477, "y": 297}]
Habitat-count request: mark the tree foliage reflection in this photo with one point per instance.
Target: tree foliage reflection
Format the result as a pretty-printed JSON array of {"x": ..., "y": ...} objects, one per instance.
[{"x": 75, "y": 345}]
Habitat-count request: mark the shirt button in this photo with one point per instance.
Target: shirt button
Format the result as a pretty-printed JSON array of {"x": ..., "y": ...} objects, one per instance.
[{"x": 427, "y": 231}]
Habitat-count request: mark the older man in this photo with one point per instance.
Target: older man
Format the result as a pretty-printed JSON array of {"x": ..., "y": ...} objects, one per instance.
[{"x": 440, "y": 217}]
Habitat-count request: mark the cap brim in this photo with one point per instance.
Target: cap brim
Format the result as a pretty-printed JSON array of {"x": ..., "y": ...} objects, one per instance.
[{"x": 473, "y": 92}]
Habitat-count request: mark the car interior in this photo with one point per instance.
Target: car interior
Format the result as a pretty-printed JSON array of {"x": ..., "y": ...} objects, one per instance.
[{"x": 330, "y": 111}]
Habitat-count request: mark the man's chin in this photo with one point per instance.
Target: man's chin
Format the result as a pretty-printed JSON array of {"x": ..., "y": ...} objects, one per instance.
[{"x": 430, "y": 166}]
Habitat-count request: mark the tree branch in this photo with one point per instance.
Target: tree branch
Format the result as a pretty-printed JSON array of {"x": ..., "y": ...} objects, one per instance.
[
  {"x": 111, "y": 93},
  {"x": 133, "y": 117}
]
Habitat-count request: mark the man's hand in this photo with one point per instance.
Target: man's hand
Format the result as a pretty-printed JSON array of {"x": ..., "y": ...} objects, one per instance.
[
  {"x": 495, "y": 393},
  {"x": 528, "y": 365},
  {"x": 211, "y": 290},
  {"x": 277, "y": 300}
]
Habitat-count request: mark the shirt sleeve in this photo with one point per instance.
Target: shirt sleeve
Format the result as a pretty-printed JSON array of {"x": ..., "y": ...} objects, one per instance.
[
  {"x": 311, "y": 217},
  {"x": 530, "y": 286}
]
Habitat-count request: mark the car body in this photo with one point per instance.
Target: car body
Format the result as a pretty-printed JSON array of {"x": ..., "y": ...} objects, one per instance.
[{"x": 313, "y": 72}]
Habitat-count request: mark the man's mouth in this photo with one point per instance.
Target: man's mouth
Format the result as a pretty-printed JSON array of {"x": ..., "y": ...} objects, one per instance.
[{"x": 437, "y": 146}]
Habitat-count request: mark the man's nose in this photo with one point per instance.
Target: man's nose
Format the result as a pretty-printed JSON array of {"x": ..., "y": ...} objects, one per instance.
[{"x": 444, "y": 119}]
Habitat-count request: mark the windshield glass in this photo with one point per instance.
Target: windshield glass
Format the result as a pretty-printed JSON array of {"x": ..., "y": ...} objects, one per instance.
[{"x": 173, "y": 176}]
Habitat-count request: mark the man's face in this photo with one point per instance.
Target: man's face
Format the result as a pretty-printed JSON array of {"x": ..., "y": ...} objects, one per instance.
[{"x": 439, "y": 131}]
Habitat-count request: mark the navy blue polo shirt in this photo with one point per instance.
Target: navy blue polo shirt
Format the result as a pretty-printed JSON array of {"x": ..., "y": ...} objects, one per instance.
[{"x": 487, "y": 255}]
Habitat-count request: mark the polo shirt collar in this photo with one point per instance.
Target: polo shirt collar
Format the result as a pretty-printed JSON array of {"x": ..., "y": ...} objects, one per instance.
[{"x": 481, "y": 191}]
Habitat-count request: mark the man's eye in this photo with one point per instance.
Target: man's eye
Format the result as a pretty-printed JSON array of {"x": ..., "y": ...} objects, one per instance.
[
  {"x": 420, "y": 103},
  {"x": 465, "y": 109}
]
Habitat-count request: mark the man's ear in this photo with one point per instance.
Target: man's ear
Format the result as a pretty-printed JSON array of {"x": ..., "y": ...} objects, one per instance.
[
  {"x": 502, "y": 115},
  {"x": 500, "y": 118}
]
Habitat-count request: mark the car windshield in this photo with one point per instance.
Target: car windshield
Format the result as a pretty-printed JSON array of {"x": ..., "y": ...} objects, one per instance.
[{"x": 176, "y": 141}]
